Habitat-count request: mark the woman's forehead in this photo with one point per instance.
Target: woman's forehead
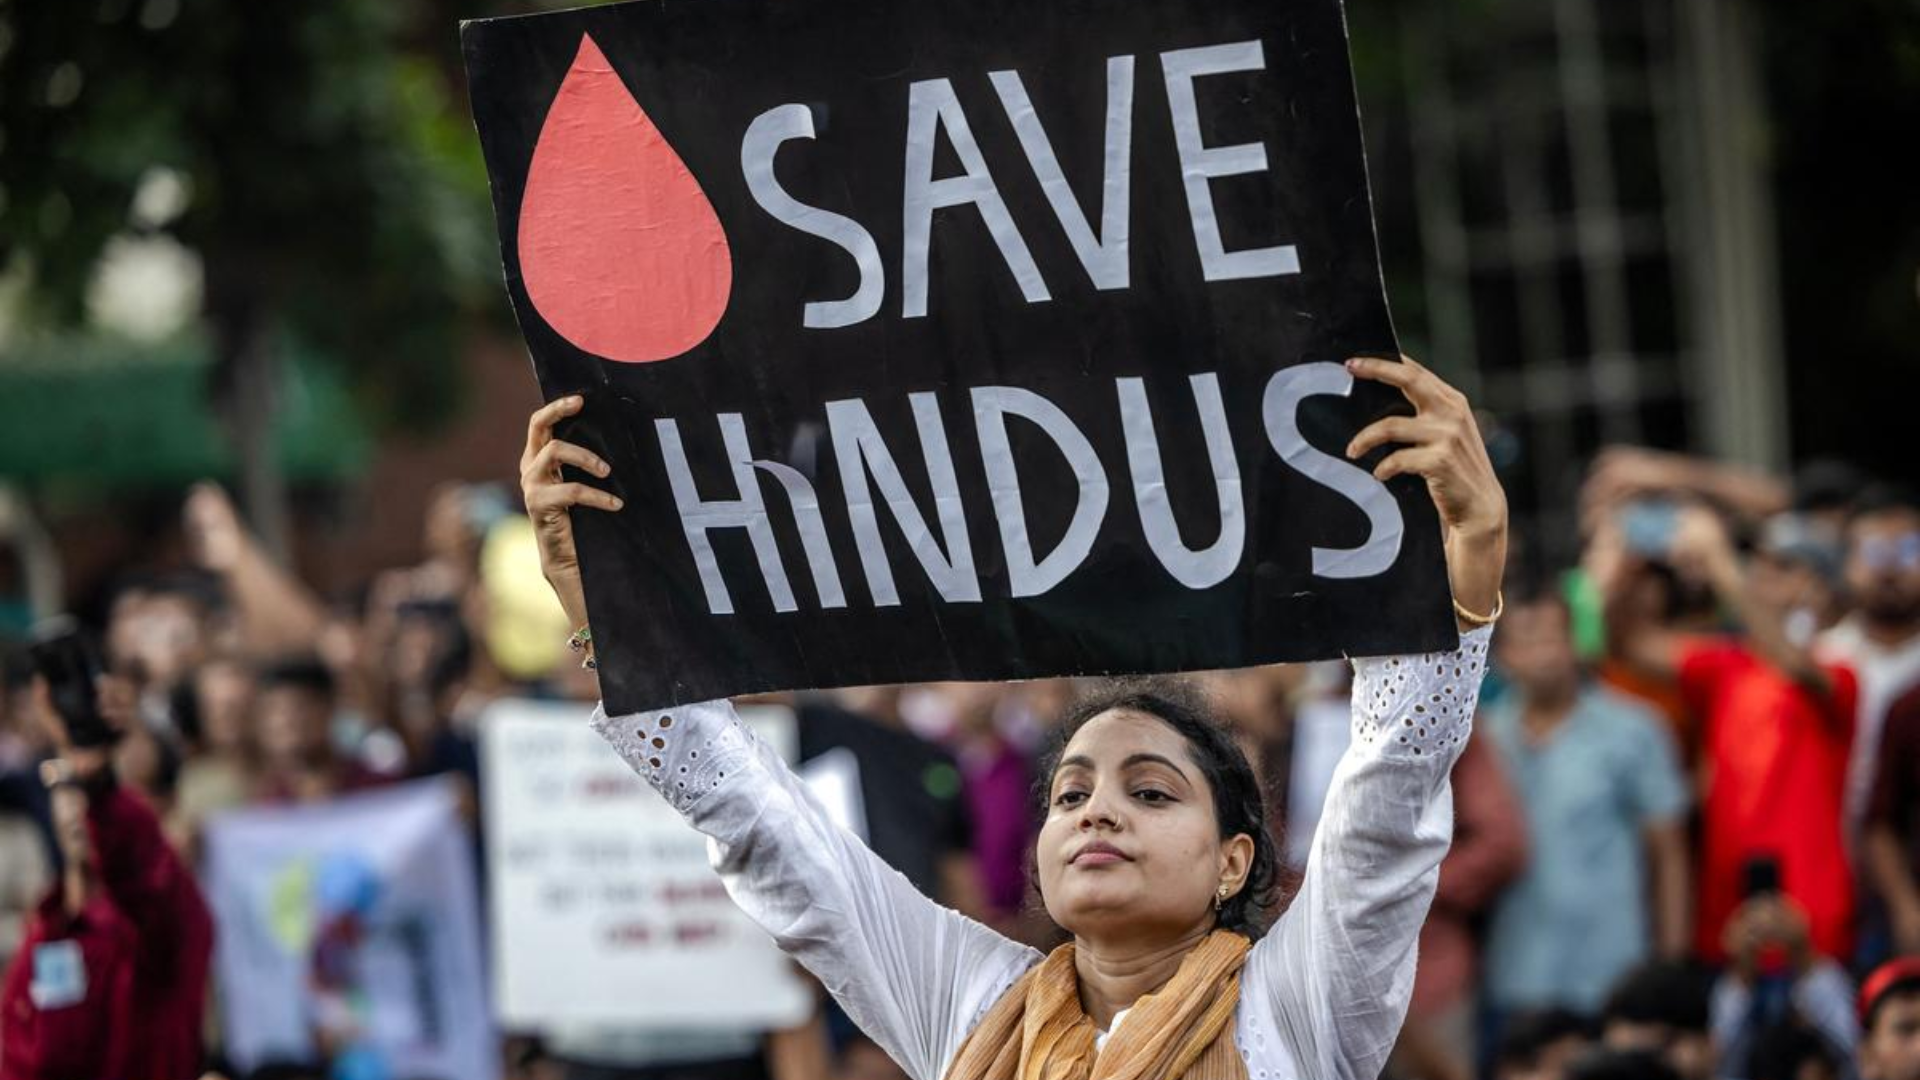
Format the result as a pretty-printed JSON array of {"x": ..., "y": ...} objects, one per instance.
[{"x": 1118, "y": 734}]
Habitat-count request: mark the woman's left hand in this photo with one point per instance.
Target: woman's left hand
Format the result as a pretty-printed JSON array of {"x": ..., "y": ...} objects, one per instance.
[{"x": 1441, "y": 443}]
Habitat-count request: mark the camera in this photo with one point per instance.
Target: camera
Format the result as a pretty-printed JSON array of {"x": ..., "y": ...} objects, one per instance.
[{"x": 71, "y": 663}]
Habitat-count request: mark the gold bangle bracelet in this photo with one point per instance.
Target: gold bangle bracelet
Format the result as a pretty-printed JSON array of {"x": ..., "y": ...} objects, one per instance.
[{"x": 1468, "y": 617}]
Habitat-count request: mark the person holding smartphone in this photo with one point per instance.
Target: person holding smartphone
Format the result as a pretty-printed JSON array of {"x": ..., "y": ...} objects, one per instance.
[
  {"x": 1777, "y": 721},
  {"x": 1777, "y": 980},
  {"x": 110, "y": 980}
]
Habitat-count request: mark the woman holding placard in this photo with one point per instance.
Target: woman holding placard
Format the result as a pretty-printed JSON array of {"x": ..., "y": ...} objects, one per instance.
[{"x": 1154, "y": 853}]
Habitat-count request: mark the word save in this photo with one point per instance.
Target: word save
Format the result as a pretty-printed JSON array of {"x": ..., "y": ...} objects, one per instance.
[{"x": 933, "y": 108}]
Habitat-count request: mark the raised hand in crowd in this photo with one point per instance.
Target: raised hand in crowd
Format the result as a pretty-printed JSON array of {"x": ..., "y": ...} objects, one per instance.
[
  {"x": 1777, "y": 602},
  {"x": 136, "y": 933},
  {"x": 1621, "y": 474},
  {"x": 71, "y": 773},
  {"x": 279, "y": 615}
]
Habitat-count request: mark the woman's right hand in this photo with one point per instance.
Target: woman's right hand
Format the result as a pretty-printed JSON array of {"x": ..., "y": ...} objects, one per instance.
[{"x": 549, "y": 497}]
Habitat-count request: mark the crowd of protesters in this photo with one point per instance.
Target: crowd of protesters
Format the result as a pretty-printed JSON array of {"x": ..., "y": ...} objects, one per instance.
[{"x": 1687, "y": 830}]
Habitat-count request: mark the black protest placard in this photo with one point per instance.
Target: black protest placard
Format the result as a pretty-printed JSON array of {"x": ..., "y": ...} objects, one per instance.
[{"x": 934, "y": 341}]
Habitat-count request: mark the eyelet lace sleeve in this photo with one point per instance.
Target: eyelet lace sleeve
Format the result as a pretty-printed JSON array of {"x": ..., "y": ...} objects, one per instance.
[
  {"x": 1332, "y": 980},
  {"x": 1416, "y": 706},
  {"x": 914, "y": 975},
  {"x": 684, "y": 753}
]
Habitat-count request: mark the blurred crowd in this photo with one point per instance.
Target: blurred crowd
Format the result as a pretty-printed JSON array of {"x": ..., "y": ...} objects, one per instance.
[{"x": 1687, "y": 827}]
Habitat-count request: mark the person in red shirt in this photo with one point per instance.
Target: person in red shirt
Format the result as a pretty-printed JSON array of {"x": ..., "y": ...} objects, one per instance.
[
  {"x": 111, "y": 978},
  {"x": 1776, "y": 725}
]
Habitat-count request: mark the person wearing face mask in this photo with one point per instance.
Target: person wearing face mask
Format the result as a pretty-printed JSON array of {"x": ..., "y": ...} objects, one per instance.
[
  {"x": 1777, "y": 722},
  {"x": 1153, "y": 854}
]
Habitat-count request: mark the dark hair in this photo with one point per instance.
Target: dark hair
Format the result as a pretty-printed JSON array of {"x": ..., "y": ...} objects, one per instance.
[
  {"x": 1621, "y": 1065},
  {"x": 1780, "y": 1050},
  {"x": 304, "y": 673},
  {"x": 201, "y": 588},
  {"x": 452, "y": 660},
  {"x": 16, "y": 668},
  {"x": 1669, "y": 992},
  {"x": 1529, "y": 1034},
  {"x": 167, "y": 763},
  {"x": 1528, "y": 584},
  {"x": 183, "y": 705},
  {"x": 1899, "y": 988},
  {"x": 1885, "y": 498},
  {"x": 1826, "y": 484},
  {"x": 1238, "y": 802}
]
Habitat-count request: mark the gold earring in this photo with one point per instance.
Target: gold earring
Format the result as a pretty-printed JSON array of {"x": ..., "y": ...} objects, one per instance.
[{"x": 1220, "y": 896}]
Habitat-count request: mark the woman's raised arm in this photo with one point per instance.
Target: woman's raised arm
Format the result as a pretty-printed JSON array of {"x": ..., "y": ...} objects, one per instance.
[
  {"x": 1441, "y": 444},
  {"x": 1337, "y": 969},
  {"x": 914, "y": 975}
]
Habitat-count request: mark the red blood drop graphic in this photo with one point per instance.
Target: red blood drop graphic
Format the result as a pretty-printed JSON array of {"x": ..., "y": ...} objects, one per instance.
[{"x": 620, "y": 250}]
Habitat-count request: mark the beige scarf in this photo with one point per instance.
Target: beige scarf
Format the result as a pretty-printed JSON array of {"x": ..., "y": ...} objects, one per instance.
[{"x": 1038, "y": 1031}]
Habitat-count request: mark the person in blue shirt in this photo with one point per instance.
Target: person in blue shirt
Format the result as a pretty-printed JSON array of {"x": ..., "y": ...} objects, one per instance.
[{"x": 1605, "y": 802}]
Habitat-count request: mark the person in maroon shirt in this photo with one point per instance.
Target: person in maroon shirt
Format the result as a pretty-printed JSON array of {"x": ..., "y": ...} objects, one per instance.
[
  {"x": 111, "y": 978},
  {"x": 1489, "y": 851},
  {"x": 1892, "y": 841}
]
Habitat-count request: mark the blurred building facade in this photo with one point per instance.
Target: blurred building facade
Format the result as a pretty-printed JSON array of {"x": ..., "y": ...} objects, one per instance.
[{"x": 1596, "y": 249}]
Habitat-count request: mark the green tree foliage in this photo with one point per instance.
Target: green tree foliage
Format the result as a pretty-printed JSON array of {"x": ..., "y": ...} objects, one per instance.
[{"x": 336, "y": 192}]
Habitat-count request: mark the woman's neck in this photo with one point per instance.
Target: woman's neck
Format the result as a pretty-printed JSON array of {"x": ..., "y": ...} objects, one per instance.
[{"x": 1114, "y": 975}]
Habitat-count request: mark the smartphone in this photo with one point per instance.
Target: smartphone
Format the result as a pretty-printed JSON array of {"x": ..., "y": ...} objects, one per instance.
[
  {"x": 1649, "y": 525},
  {"x": 1760, "y": 876},
  {"x": 71, "y": 664}
]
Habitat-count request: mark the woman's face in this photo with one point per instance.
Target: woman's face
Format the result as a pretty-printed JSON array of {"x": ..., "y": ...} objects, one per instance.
[
  {"x": 226, "y": 704},
  {"x": 1131, "y": 846}
]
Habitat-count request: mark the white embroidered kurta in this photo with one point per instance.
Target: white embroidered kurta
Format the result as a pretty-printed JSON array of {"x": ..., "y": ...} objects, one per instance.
[{"x": 1322, "y": 996}]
